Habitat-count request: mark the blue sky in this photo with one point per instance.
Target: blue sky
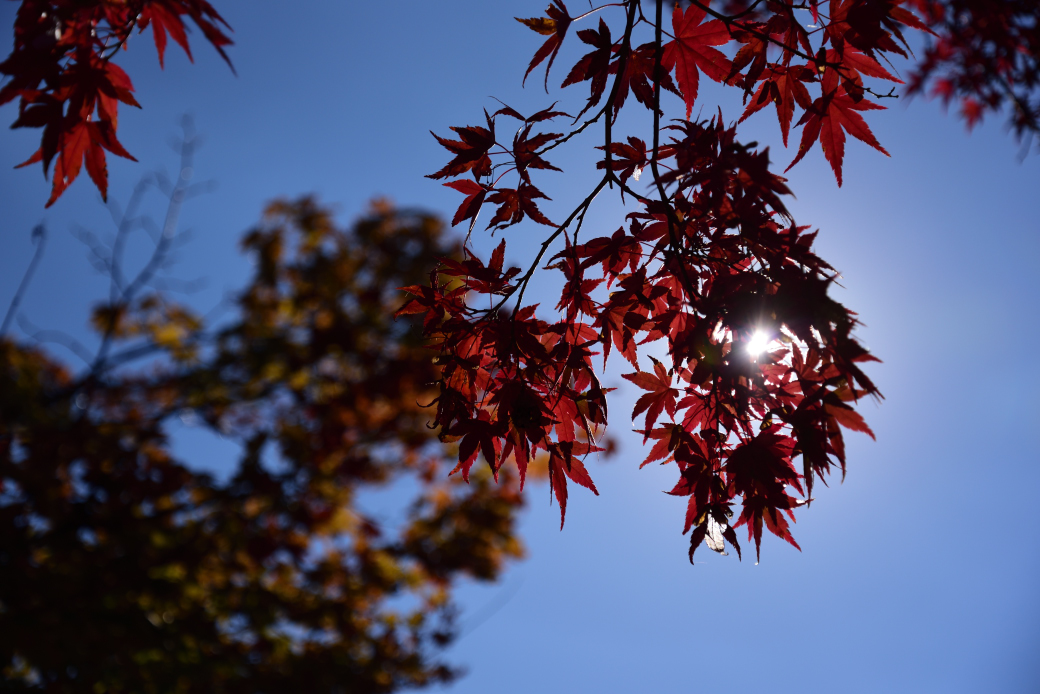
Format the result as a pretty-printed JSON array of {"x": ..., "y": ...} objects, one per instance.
[{"x": 918, "y": 574}]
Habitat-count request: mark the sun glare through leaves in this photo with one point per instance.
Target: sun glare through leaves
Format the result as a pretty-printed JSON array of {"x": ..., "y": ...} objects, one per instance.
[{"x": 758, "y": 343}]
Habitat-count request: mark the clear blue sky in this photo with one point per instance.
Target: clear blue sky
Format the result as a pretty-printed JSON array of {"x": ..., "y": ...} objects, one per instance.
[{"x": 918, "y": 574}]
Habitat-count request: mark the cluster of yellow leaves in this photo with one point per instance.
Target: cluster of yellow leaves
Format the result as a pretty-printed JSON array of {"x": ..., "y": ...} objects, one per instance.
[{"x": 129, "y": 569}]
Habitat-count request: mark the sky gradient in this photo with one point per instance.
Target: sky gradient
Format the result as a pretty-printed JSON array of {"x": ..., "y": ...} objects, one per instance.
[{"x": 918, "y": 574}]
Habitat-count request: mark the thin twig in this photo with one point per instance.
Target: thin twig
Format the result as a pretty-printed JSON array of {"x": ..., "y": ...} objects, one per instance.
[
  {"x": 522, "y": 285},
  {"x": 39, "y": 237},
  {"x": 123, "y": 226},
  {"x": 57, "y": 336},
  {"x": 169, "y": 229}
]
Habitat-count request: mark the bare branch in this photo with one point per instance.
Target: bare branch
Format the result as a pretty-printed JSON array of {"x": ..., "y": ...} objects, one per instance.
[
  {"x": 56, "y": 336},
  {"x": 177, "y": 194},
  {"x": 39, "y": 239}
]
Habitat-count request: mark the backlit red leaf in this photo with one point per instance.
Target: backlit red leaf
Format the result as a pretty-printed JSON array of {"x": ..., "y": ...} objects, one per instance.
[{"x": 691, "y": 52}]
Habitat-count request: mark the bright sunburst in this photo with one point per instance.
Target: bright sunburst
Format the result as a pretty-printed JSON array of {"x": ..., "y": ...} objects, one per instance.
[{"x": 758, "y": 343}]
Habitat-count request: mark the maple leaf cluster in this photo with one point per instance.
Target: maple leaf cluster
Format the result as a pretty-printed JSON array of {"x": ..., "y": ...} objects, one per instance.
[
  {"x": 763, "y": 369},
  {"x": 776, "y": 59},
  {"x": 511, "y": 385},
  {"x": 61, "y": 71},
  {"x": 985, "y": 55}
]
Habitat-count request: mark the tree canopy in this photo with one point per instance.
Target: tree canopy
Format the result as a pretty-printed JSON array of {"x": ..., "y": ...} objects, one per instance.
[{"x": 124, "y": 568}]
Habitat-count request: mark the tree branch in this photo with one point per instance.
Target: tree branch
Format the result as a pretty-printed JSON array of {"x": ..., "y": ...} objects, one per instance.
[{"x": 39, "y": 238}]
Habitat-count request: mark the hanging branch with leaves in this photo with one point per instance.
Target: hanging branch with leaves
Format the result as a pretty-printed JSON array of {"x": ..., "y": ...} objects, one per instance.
[
  {"x": 61, "y": 71},
  {"x": 763, "y": 370}
]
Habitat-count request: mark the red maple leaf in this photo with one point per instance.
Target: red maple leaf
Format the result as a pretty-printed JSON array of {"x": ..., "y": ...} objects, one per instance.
[
  {"x": 853, "y": 60},
  {"x": 691, "y": 52},
  {"x": 474, "y": 193},
  {"x": 75, "y": 144},
  {"x": 828, "y": 119},
  {"x": 163, "y": 20},
  {"x": 544, "y": 114},
  {"x": 638, "y": 75},
  {"x": 83, "y": 141},
  {"x": 753, "y": 52},
  {"x": 564, "y": 464},
  {"x": 526, "y": 151},
  {"x": 594, "y": 66},
  {"x": 614, "y": 252},
  {"x": 866, "y": 25},
  {"x": 785, "y": 87},
  {"x": 628, "y": 159},
  {"x": 165, "y": 16},
  {"x": 471, "y": 150},
  {"x": 756, "y": 37},
  {"x": 477, "y": 437},
  {"x": 484, "y": 279},
  {"x": 575, "y": 297},
  {"x": 848, "y": 418},
  {"x": 661, "y": 397},
  {"x": 760, "y": 469},
  {"x": 514, "y": 203},
  {"x": 555, "y": 27}
]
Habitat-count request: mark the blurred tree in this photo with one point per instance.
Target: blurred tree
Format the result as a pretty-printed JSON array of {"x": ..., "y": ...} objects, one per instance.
[{"x": 124, "y": 569}]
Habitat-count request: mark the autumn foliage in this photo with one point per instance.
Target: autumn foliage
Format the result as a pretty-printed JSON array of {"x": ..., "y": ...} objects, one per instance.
[
  {"x": 62, "y": 72},
  {"x": 763, "y": 370},
  {"x": 125, "y": 568},
  {"x": 986, "y": 57}
]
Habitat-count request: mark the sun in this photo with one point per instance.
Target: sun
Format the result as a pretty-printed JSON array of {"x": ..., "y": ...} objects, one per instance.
[{"x": 758, "y": 343}]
